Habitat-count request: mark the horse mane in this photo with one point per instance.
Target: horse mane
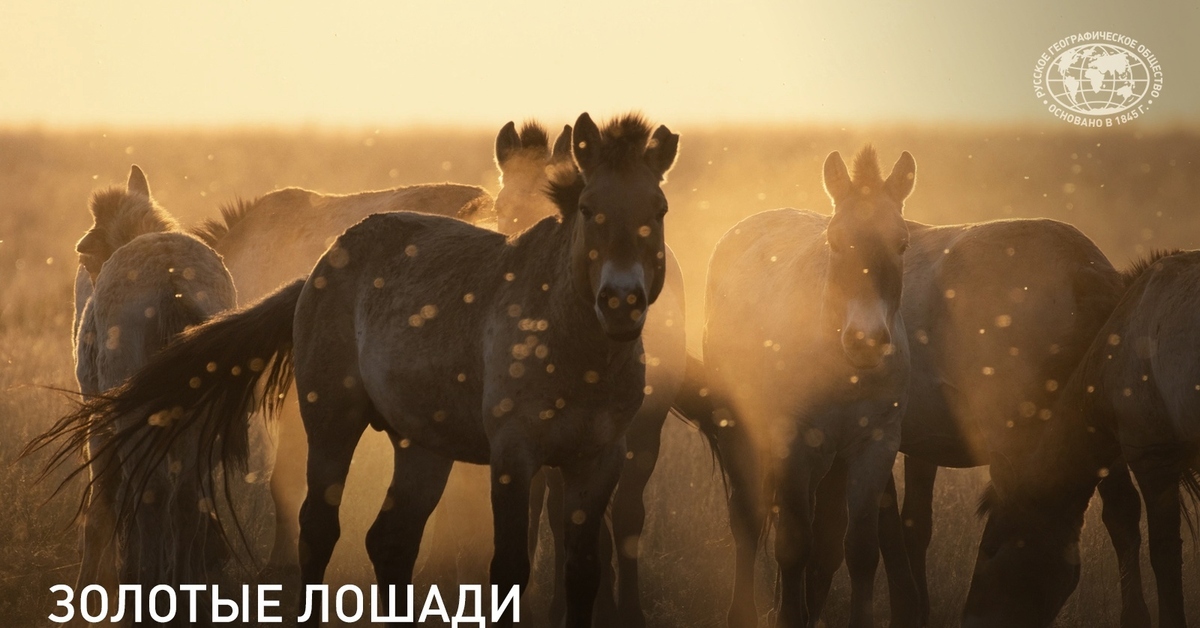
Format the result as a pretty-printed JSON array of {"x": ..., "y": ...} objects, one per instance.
[
  {"x": 565, "y": 187},
  {"x": 623, "y": 143},
  {"x": 212, "y": 230},
  {"x": 534, "y": 135},
  {"x": 623, "y": 140},
  {"x": 866, "y": 169},
  {"x": 1140, "y": 266},
  {"x": 122, "y": 216}
]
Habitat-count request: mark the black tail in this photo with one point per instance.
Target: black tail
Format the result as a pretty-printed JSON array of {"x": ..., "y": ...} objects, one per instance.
[
  {"x": 199, "y": 391},
  {"x": 694, "y": 404}
]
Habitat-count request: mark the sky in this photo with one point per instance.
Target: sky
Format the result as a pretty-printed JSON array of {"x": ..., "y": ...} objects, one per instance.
[{"x": 147, "y": 63}]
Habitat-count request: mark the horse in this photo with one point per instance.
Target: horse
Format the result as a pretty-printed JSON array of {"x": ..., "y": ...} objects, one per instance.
[
  {"x": 805, "y": 348},
  {"x": 997, "y": 314},
  {"x": 526, "y": 161},
  {"x": 1134, "y": 399},
  {"x": 460, "y": 343},
  {"x": 145, "y": 282},
  {"x": 268, "y": 241}
]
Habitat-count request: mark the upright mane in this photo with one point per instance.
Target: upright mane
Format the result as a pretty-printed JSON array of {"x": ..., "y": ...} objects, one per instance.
[
  {"x": 1135, "y": 270},
  {"x": 213, "y": 230},
  {"x": 623, "y": 141},
  {"x": 121, "y": 215},
  {"x": 866, "y": 169},
  {"x": 623, "y": 144},
  {"x": 533, "y": 134}
]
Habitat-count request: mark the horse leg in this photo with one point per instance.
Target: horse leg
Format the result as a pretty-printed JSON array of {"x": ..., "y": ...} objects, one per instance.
[
  {"x": 556, "y": 517},
  {"x": 287, "y": 493},
  {"x": 644, "y": 440},
  {"x": 903, "y": 595},
  {"x": 418, "y": 479},
  {"x": 828, "y": 530},
  {"x": 512, "y": 469},
  {"x": 537, "y": 500},
  {"x": 867, "y": 478},
  {"x": 1122, "y": 517},
  {"x": 334, "y": 424},
  {"x": 587, "y": 488},
  {"x": 604, "y": 609},
  {"x": 796, "y": 497},
  {"x": 1160, "y": 490},
  {"x": 746, "y": 518},
  {"x": 97, "y": 538},
  {"x": 917, "y": 515}
]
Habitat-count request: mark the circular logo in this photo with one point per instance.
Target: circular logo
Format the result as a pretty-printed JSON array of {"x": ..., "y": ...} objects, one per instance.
[{"x": 1097, "y": 79}]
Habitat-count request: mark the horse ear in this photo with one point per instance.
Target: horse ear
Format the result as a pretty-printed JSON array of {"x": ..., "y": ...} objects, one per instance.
[
  {"x": 562, "y": 145},
  {"x": 837, "y": 179},
  {"x": 508, "y": 142},
  {"x": 137, "y": 182},
  {"x": 661, "y": 151},
  {"x": 900, "y": 183},
  {"x": 585, "y": 143}
]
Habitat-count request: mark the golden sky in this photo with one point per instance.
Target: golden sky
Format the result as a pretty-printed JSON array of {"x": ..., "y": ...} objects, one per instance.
[{"x": 402, "y": 62}]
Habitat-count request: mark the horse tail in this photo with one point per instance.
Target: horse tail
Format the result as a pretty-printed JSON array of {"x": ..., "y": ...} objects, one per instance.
[
  {"x": 169, "y": 540},
  {"x": 196, "y": 395}
]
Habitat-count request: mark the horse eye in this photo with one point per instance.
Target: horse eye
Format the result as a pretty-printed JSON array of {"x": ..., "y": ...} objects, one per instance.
[{"x": 586, "y": 211}]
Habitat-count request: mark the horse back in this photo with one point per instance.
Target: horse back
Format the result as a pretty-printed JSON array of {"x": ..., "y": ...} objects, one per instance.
[
  {"x": 149, "y": 290},
  {"x": 762, "y": 325},
  {"x": 286, "y": 231},
  {"x": 760, "y": 253},
  {"x": 400, "y": 302},
  {"x": 998, "y": 315},
  {"x": 1143, "y": 363}
]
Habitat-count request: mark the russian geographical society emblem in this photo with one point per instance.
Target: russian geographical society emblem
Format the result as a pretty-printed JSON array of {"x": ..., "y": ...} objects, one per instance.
[{"x": 1097, "y": 79}]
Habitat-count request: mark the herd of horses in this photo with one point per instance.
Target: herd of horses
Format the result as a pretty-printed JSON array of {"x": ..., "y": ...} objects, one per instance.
[{"x": 551, "y": 349}]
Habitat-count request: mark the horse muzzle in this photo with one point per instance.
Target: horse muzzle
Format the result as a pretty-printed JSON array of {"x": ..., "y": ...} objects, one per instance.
[{"x": 621, "y": 305}]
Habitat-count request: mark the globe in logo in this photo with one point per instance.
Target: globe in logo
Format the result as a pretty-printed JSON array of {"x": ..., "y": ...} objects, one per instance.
[{"x": 1097, "y": 79}]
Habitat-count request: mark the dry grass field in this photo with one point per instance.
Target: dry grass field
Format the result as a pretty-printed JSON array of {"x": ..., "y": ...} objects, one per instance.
[{"x": 1131, "y": 192}]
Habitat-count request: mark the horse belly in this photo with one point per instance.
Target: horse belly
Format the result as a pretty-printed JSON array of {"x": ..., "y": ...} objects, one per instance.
[{"x": 427, "y": 404}]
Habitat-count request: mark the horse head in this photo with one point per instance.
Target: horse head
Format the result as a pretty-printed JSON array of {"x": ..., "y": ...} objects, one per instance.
[
  {"x": 867, "y": 238},
  {"x": 615, "y": 207}
]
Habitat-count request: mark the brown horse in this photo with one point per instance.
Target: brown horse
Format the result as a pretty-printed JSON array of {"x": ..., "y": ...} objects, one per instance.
[
  {"x": 144, "y": 281},
  {"x": 462, "y": 345},
  {"x": 526, "y": 162},
  {"x": 997, "y": 314},
  {"x": 277, "y": 237},
  {"x": 806, "y": 350},
  {"x": 1135, "y": 398}
]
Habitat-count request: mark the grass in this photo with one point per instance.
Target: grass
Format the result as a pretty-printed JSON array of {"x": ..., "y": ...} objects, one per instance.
[{"x": 1130, "y": 192}]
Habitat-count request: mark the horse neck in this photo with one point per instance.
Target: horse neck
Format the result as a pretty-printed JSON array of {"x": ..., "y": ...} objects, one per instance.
[{"x": 547, "y": 249}]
